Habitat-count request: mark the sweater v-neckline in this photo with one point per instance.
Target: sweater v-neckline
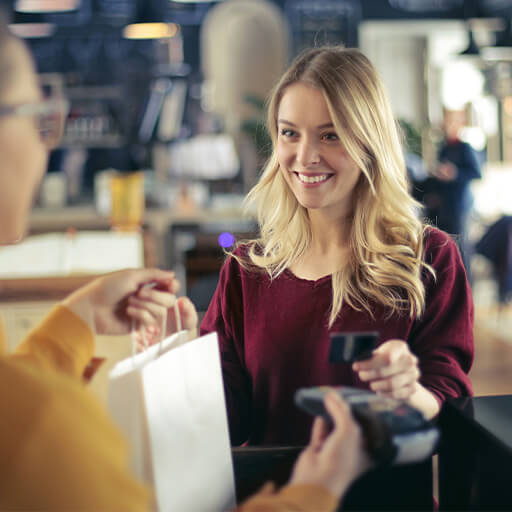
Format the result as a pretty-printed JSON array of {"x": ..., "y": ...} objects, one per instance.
[{"x": 309, "y": 282}]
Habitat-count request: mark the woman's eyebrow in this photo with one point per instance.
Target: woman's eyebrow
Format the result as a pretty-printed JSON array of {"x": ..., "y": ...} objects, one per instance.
[{"x": 319, "y": 127}]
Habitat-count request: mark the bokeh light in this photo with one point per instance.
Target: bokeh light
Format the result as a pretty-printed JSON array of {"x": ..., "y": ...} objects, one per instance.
[{"x": 226, "y": 240}]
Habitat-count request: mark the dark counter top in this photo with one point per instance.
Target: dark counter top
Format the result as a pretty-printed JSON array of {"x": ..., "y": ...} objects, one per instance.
[
  {"x": 475, "y": 454},
  {"x": 490, "y": 414}
]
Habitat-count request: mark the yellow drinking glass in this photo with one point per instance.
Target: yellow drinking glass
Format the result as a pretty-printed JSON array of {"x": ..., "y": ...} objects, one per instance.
[{"x": 127, "y": 207}]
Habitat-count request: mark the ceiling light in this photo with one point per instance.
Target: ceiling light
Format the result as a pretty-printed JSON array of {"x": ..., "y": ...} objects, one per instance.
[
  {"x": 32, "y": 30},
  {"x": 150, "y": 30},
  {"x": 46, "y": 5}
]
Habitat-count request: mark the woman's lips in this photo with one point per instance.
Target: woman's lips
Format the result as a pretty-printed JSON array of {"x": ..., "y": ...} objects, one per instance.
[{"x": 312, "y": 180}]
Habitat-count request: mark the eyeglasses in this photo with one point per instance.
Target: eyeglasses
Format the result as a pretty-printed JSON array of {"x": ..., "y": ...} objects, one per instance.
[{"x": 50, "y": 115}]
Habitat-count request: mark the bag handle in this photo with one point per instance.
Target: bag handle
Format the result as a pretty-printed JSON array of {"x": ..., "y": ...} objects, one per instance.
[{"x": 134, "y": 329}]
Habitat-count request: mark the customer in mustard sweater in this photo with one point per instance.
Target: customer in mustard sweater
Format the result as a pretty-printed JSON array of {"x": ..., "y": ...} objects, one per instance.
[{"x": 58, "y": 447}]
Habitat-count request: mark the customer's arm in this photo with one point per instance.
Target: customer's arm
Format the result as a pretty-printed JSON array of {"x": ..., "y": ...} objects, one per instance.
[
  {"x": 60, "y": 450},
  {"x": 64, "y": 341}
]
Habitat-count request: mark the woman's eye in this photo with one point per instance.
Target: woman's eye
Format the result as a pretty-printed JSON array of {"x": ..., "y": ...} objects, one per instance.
[
  {"x": 286, "y": 132},
  {"x": 330, "y": 136}
]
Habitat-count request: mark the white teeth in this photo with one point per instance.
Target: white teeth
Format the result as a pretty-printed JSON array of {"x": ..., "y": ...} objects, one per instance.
[{"x": 312, "y": 179}]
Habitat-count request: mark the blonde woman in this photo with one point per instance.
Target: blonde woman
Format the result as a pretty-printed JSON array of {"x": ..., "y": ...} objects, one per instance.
[{"x": 341, "y": 249}]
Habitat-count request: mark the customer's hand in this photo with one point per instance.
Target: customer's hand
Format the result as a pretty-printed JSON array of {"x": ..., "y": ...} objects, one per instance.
[
  {"x": 155, "y": 307},
  {"x": 333, "y": 460},
  {"x": 105, "y": 304}
]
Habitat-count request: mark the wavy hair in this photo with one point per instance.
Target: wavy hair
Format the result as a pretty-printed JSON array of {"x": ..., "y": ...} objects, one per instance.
[{"x": 385, "y": 259}]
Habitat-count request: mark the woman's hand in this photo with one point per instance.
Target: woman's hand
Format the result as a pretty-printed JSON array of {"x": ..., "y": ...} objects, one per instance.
[
  {"x": 334, "y": 458},
  {"x": 106, "y": 304},
  {"x": 393, "y": 371}
]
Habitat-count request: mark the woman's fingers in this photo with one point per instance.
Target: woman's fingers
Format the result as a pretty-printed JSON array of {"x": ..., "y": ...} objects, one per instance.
[
  {"x": 393, "y": 370},
  {"x": 388, "y": 360},
  {"x": 403, "y": 393},
  {"x": 397, "y": 382}
]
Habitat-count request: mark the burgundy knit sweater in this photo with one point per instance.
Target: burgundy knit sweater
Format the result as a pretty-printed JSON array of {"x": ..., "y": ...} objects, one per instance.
[{"x": 274, "y": 338}]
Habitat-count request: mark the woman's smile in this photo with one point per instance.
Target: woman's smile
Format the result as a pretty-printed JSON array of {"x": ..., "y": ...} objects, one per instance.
[{"x": 312, "y": 180}]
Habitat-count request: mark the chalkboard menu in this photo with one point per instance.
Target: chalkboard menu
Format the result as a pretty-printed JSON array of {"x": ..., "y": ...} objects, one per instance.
[{"x": 323, "y": 22}]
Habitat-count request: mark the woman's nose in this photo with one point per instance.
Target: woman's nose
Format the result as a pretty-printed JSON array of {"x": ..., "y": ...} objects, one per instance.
[{"x": 308, "y": 153}]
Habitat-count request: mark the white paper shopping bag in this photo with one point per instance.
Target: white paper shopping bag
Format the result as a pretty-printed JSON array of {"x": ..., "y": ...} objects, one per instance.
[{"x": 169, "y": 401}]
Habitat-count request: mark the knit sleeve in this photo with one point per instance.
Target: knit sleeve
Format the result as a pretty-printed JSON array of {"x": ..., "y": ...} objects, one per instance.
[
  {"x": 60, "y": 450},
  {"x": 61, "y": 342},
  {"x": 443, "y": 337},
  {"x": 225, "y": 315}
]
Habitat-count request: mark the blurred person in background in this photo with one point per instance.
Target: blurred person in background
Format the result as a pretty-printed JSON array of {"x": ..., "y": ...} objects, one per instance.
[
  {"x": 58, "y": 447},
  {"x": 448, "y": 197}
]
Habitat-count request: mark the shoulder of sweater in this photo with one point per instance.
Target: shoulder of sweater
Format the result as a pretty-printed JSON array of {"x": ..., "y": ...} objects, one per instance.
[
  {"x": 439, "y": 246},
  {"x": 240, "y": 256},
  {"x": 434, "y": 236}
]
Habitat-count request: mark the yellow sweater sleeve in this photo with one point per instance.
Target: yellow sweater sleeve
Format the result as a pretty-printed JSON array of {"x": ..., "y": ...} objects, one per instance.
[
  {"x": 291, "y": 498},
  {"x": 62, "y": 342},
  {"x": 59, "y": 449}
]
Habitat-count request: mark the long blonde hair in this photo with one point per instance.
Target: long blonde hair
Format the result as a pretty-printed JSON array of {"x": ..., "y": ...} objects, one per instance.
[{"x": 386, "y": 236}]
